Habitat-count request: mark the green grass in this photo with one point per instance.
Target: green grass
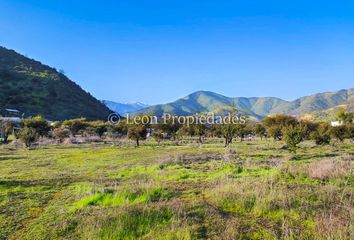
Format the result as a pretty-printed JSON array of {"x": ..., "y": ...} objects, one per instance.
[{"x": 252, "y": 190}]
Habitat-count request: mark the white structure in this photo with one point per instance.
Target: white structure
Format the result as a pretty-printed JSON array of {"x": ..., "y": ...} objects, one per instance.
[{"x": 336, "y": 123}]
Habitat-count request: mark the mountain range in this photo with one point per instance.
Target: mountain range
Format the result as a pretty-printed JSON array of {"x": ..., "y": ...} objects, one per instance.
[
  {"x": 34, "y": 88},
  {"x": 257, "y": 107},
  {"x": 124, "y": 108}
]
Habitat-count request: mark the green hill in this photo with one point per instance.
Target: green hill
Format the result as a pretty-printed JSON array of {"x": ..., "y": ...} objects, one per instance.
[
  {"x": 258, "y": 107},
  {"x": 34, "y": 88}
]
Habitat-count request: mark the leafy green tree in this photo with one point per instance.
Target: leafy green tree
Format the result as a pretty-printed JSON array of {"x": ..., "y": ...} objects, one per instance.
[
  {"x": 76, "y": 125},
  {"x": 322, "y": 136},
  {"x": 199, "y": 130},
  {"x": 137, "y": 132},
  {"x": 6, "y": 129},
  {"x": 339, "y": 132},
  {"x": 60, "y": 134},
  {"x": 293, "y": 135},
  {"x": 169, "y": 126},
  {"x": 279, "y": 120},
  {"x": 351, "y": 131},
  {"x": 346, "y": 117},
  {"x": 228, "y": 132},
  {"x": 38, "y": 124},
  {"x": 260, "y": 130},
  {"x": 186, "y": 130},
  {"x": 309, "y": 128},
  {"x": 120, "y": 129},
  {"x": 28, "y": 136},
  {"x": 158, "y": 136},
  {"x": 98, "y": 127},
  {"x": 275, "y": 132}
]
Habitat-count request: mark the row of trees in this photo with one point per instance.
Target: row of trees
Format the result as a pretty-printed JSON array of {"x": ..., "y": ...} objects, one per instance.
[{"x": 279, "y": 127}]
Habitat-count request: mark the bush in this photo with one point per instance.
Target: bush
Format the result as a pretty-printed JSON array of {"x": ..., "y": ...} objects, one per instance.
[
  {"x": 322, "y": 135},
  {"x": 28, "y": 136},
  {"x": 351, "y": 131},
  {"x": 6, "y": 128},
  {"x": 275, "y": 132},
  {"x": 76, "y": 125},
  {"x": 293, "y": 136},
  {"x": 98, "y": 127},
  {"x": 260, "y": 130},
  {"x": 60, "y": 134},
  {"x": 158, "y": 136},
  {"x": 339, "y": 132},
  {"x": 38, "y": 124},
  {"x": 137, "y": 132}
]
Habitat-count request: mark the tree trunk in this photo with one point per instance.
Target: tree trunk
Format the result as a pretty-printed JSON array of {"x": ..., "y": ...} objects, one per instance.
[
  {"x": 226, "y": 141},
  {"x": 137, "y": 142}
]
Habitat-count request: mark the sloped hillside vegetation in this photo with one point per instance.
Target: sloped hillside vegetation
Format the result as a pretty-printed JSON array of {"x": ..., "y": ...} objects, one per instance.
[{"x": 34, "y": 88}]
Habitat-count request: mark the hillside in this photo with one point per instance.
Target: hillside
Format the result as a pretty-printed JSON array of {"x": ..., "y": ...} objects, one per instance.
[
  {"x": 258, "y": 107},
  {"x": 34, "y": 88},
  {"x": 124, "y": 108}
]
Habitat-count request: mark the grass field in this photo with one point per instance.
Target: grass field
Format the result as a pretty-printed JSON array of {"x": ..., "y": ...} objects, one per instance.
[{"x": 251, "y": 190}]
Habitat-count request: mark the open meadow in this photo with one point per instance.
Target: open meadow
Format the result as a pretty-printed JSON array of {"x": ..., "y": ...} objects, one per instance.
[{"x": 248, "y": 190}]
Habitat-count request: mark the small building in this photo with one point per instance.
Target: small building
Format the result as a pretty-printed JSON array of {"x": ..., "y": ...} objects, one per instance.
[
  {"x": 11, "y": 115},
  {"x": 336, "y": 123}
]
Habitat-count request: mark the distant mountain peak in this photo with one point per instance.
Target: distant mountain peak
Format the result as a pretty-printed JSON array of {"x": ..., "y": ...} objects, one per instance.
[
  {"x": 124, "y": 108},
  {"x": 257, "y": 107}
]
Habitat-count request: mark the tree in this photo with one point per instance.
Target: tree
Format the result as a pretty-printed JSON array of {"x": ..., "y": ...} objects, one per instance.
[
  {"x": 228, "y": 132},
  {"x": 199, "y": 130},
  {"x": 339, "y": 132},
  {"x": 38, "y": 124},
  {"x": 60, "y": 134},
  {"x": 309, "y": 128},
  {"x": 119, "y": 129},
  {"x": 293, "y": 135},
  {"x": 137, "y": 132},
  {"x": 169, "y": 126},
  {"x": 6, "y": 128},
  {"x": 322, "y": 135},
  {"x": 28, "y": 136},
  {"x": 346, "y": 117},
  {"x": 275, "y": 132},
  {"x": 279, "y": 120},
  {"x": 186, "y": 130},
  {"x": 98, "y": 127},
  {"x": 158, "y": 136},
  {"x": 260, "y": 130},
  {"x": 75, "y": 125},
  {"x": 351, "y": 131}
]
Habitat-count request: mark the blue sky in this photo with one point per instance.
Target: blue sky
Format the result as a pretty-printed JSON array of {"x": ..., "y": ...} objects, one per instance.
[{"x": 157, "y": 51}]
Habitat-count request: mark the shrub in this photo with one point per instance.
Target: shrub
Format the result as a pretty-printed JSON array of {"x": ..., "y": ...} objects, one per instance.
[
  {"x": 322, "y": 135},
  {"x": 339, "y": 132},
  {"x": 293, "y": 136},
  {"x": 279, "y": 120},
  {"x": 38, "y": 124},
  {"x": 98, "y": 127},
  {"x": 351, "y": 131},
  {"x": 260, "y": 130},
  {"x": 6, "y": 128},
  {"x": 28, "y": 136},
  {"x": 76, "y": 125},
  {"x": 157, "y": 135},
  {"x": 119, "y": 129},
  {"x": 60, "y": 134},
  {"x": 137, "y": 132},
  {"x": 275, "y": 132}
]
